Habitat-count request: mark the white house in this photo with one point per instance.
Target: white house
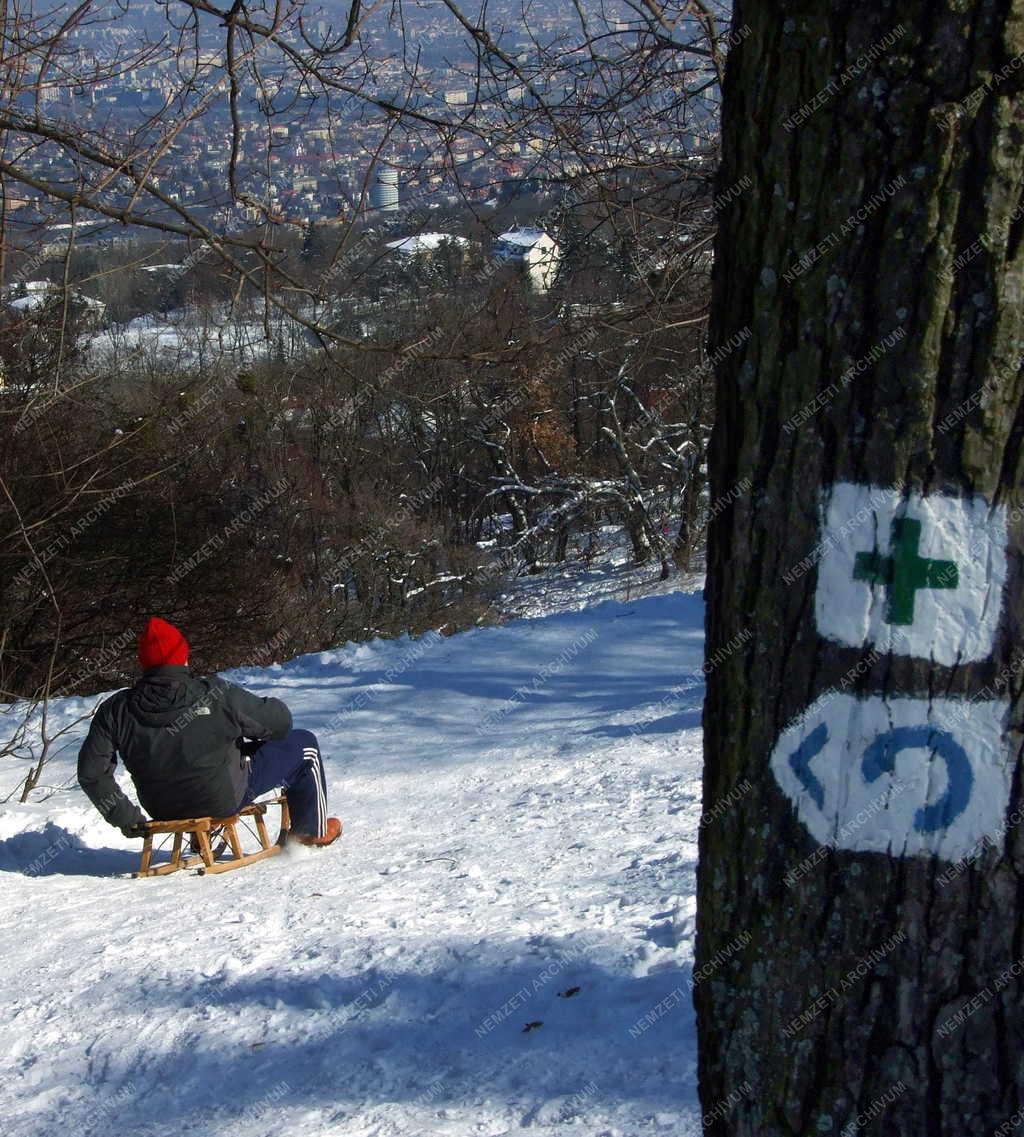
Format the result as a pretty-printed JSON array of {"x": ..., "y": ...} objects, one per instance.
[{"x": 534, "y": 250}]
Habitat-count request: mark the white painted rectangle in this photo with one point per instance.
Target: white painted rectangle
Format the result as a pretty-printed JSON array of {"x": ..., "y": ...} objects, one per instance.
[{"x": 950, "y": 625}]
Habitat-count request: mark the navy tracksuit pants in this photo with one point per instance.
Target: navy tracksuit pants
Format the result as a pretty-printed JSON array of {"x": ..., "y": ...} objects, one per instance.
[{"x": 294, "y": 763}]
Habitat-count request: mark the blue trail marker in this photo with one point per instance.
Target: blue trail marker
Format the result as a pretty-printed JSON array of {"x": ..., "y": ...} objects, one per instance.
[
  {"x": 898, "y": 775},
  {"x": 800, "y": 761},
  {"x": 880, "y": 758}
]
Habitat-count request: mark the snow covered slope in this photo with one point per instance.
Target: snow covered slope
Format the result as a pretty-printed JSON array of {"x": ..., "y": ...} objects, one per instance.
[{"x": 521, "y": 807}]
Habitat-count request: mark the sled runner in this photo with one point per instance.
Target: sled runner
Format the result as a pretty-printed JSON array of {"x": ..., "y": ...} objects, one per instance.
[{"x": 210, "y": 838}]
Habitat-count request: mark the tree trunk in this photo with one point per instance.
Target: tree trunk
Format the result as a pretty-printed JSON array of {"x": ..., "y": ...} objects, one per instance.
[
  {"x": 690, "y": 523},
  {"x": 634, "y": 519},
  {"x": 861, "y": 886}
]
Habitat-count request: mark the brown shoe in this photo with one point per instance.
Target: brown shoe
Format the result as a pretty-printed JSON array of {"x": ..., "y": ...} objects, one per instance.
[{"x": 332, "y": 834}]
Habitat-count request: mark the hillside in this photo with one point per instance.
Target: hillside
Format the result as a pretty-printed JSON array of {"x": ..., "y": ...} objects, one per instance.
[{"x": 521, "y": 807}]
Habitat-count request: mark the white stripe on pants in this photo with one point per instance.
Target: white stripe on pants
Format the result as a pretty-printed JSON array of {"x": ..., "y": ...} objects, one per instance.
[{"x": 312, "y": 756}]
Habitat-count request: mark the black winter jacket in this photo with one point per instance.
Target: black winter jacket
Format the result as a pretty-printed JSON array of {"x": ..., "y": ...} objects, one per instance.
[{"x": 180, "y": 738}]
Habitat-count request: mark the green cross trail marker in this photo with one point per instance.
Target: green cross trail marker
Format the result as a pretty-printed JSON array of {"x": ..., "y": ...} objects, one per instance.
[{"x": 905, "y": 572}]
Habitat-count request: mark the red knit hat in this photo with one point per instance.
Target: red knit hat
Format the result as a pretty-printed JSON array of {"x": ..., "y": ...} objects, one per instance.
[{"x": 161, "y": 644}]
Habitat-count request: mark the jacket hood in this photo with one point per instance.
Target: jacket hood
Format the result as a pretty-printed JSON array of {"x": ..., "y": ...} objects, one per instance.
[{"x": 163, "y": 694}]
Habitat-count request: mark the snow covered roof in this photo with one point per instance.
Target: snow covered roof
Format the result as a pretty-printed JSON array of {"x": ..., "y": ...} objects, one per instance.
[
  {"x": 80, "y": 226},
  {"x": 40, "y": 292},
  {"x": 526, "y": 238},
  {"x": 25, "y": 303},
  {"x": 423, "y": 242}
]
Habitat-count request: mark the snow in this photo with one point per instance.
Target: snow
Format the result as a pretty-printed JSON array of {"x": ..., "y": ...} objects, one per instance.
[
  {"x": 423, "y": 243},
  {"x": 524, "y": 238},
  {"x": 190, "y": 338},
  {"x": 28, "y": 303},
  {"x": 39, "y": 293},
  {"x": 521, "y": 808}
]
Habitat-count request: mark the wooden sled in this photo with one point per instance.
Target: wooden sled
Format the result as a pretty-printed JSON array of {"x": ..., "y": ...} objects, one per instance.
[{"x": 210, "y": 838}]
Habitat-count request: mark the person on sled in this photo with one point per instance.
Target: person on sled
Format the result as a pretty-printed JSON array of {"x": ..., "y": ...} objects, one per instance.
[{"x": 199, "y": 748}]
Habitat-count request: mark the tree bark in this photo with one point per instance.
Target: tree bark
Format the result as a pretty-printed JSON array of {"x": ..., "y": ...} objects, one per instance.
[
  {"x": 876, "y": 259},
  {"x": 690, "y": 523}
]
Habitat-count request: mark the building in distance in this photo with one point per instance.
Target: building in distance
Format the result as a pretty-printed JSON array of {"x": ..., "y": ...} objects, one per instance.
[
  {"x": 384, "y": 191},
  {"x": 532, "y": 250},
  {"x": 421, "y": 243}
]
